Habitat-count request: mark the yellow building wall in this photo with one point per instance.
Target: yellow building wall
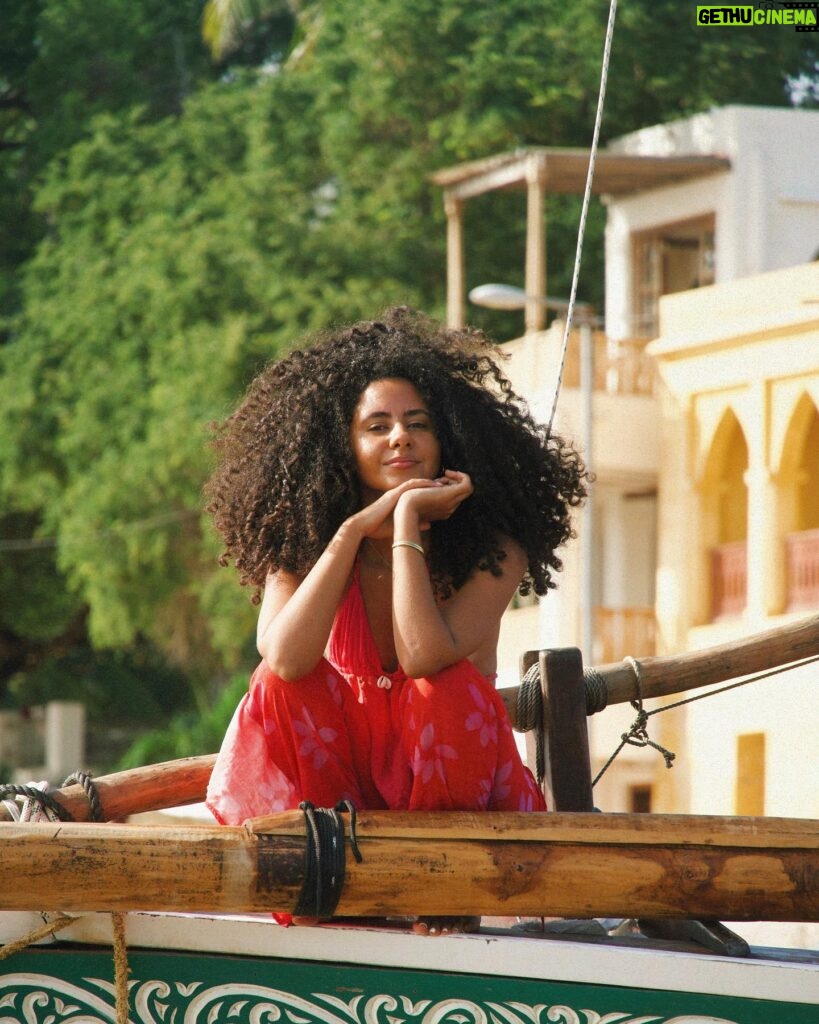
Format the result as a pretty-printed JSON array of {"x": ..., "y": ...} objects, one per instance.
[{"x": 739, "y": 465}]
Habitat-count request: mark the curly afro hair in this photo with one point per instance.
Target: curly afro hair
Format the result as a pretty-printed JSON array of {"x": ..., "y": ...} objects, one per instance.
[{"x": 286, "y": 475}]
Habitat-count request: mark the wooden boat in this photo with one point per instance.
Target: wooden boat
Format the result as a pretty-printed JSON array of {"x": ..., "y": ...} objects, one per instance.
[{"x": 193, "y": 939}]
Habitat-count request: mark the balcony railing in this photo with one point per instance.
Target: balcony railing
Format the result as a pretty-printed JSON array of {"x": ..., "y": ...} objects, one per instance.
[
  {"x": 729, "y": 579},
  {"x": 620, "y": 368},
  {"x": 620, "y": 632},
  {"x": 802, "y": 567}
]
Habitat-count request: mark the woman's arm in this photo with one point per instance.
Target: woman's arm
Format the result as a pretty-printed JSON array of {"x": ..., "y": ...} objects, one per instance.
[
  {"x": 429, "y": 637},
  {"x": 297, "y": 615}
]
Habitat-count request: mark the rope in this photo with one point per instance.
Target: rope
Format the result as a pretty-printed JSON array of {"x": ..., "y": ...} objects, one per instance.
[
  {"x": 39, "y": 802},
  {"x": 637, "y": 735},
  {"x": 92, "y": 793},
  {"x": 36, "y": 935},
  {"x": 586, "y": 199},
  {"x": 530, "y": 715},
  {"x": 35, "y": 795},
  {"x": 597, "y": 691},
  {"x": 324, "y": 858},
  {"x": 39, "y": 797},
  {"x": 742, "y": 682},
  {"x": 121, "y": 968}
]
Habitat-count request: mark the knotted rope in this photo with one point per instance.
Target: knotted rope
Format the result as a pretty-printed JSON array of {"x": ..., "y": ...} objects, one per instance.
[
  {"x": 38, "y": 804},
  {"x": 637, "y": 736},
  {"x": 529, "y": 708},
  {"x": 325, "y": 858}
]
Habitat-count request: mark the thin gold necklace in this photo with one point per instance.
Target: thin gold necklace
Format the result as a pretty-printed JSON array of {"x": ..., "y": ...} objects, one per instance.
[{"x": 378, "y": 554}]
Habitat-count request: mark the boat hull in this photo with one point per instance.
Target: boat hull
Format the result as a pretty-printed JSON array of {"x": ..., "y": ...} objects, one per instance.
[{"x": 209, "y": 970}]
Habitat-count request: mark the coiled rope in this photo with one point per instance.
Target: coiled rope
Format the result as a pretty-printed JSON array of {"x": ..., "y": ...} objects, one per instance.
[
  {"x": 325, "y": 858},
  {"x": 29, "y": 803},
  {"x": 39, "y": 797},
  {"x": 529, "y": 708}
]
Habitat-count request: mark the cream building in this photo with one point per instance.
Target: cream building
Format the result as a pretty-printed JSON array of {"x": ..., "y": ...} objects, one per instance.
[
  {"x": 738, "y": 531},
  {"x": 704, "y": 519}
]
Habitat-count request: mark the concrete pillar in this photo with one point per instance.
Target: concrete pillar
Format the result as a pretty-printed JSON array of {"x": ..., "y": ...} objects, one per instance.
[
  {"x": 64, "y": 738},
  {"x": 763, "y": 540},
  {"x": 535, "y": 244},
  {"x": 455, "y": 284}
]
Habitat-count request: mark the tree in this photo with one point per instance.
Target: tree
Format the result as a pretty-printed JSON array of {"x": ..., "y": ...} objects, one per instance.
[{"x": 189, "y": 221}]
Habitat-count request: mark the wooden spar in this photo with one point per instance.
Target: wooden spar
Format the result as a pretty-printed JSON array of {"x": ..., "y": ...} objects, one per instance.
[
  {"x": 662, "y": 676},
  {"x": 543, "y": 864},
  {"x": 175, "y": 783},
  {"x": 152, "y": 788}
]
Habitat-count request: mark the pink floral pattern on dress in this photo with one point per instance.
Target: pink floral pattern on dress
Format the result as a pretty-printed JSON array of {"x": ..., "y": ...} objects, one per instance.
[
  {"x": 484, "y": 720},
  {"x": 334, "y": 686},
  {"x": 314, "y": 740},
  {"x": 501, "y": 789},
  {"x": 429, "y": 757}
]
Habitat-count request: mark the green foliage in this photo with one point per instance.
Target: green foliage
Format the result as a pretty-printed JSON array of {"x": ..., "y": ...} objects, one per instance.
[
  {"x": 166, "y": 225},
  {"x": 36, "y": 603},
  {"x": 187, "y": 734},
  {"x": 115, "y": 687}
]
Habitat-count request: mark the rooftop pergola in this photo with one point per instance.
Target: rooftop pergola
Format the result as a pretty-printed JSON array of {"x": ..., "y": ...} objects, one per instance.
[{"x": 539, "y": 170}]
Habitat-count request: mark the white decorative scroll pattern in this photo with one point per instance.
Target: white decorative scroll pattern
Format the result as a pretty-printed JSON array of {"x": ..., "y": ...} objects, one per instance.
[{"x": 42, "y": 999}]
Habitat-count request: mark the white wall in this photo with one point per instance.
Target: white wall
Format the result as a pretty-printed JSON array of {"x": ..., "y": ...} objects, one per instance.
[{"x": 766, "y": 205}]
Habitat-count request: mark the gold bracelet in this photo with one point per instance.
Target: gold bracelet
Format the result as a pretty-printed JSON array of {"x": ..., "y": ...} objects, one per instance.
[{"x": 409, "y": 544}]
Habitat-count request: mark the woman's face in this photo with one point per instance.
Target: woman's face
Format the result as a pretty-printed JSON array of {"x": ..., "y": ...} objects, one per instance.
[{"x": 392, "y": 437}]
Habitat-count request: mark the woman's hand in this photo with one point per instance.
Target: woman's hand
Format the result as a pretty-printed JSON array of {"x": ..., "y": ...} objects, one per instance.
[
  {"x": 376, "y": 519},
  {"x": 440, "y": 501}
]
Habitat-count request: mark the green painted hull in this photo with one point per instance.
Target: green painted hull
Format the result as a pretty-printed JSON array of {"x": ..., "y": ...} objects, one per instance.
[{"x": 75, "y": 985}]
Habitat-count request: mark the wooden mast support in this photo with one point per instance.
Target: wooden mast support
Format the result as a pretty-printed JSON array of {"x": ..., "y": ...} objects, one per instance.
[
  {"x": 662, "y": 676},
  {"x": 552, "y": 864},
  {"x": 565, "y": 731}
]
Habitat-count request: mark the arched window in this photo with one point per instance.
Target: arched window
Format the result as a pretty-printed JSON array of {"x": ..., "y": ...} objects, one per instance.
[
  {"x": 725, "y": 497},
  {"x": 799, "y": 494}
]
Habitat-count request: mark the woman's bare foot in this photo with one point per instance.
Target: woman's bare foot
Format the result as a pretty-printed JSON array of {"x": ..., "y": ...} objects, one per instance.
[{"x": 445, "y": 925}]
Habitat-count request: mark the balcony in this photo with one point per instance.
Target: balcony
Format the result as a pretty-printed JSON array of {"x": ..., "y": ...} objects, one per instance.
[
  {"x": 729, "y": 579},
  {"x": 620, "y": 632},
  {"x": 620, "y": 368},
  {"x": 802, "y": 568}
]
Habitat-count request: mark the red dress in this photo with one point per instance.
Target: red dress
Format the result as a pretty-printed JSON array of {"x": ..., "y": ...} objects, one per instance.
[{"x": 350, "y": 731}]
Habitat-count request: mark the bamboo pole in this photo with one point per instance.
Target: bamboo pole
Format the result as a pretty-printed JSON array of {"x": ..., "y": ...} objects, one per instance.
[
  {"x": 549, "y": 864},
  {"x": 152, "y": 788},
  {"x": 662, "y": 676}
]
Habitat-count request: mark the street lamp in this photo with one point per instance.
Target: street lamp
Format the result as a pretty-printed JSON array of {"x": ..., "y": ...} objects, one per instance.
[{"x": 506, "y": 296}]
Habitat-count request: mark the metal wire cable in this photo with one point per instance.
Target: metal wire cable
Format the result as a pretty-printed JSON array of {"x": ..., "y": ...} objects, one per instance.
[{"x": 586, "y": 200}]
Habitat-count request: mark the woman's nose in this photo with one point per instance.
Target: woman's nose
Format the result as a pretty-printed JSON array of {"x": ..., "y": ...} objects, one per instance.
[{"x": 399, "y": 435}]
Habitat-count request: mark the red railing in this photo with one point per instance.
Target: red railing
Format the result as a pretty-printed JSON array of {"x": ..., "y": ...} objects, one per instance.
[
  {"x": 620, "y": 632},
  {"x": 802, "y": 567},
  {"x": 729, "y": 579}
]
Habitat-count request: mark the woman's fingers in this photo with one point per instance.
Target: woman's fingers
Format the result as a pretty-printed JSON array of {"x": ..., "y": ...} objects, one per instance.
[
  {"x": 375, "y": 517},
  {"x": 440, "y": 501}
]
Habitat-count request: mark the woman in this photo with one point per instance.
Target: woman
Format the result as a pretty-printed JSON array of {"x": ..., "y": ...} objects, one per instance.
[{"x": 390, "y": 494}]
